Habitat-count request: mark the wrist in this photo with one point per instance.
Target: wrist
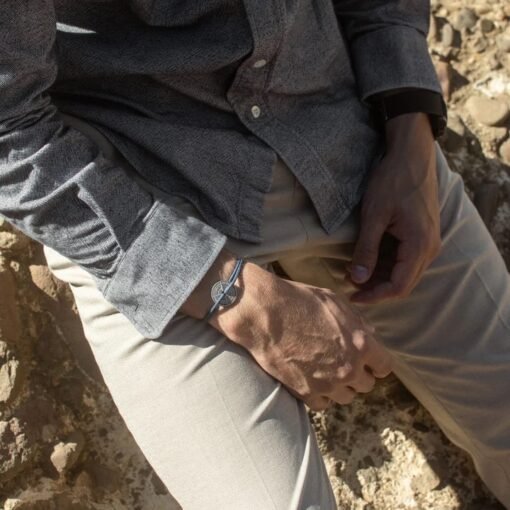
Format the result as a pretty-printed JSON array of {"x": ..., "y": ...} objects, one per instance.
[
  {"x": 241, "y": 322},
  {"x": 199, "y": 301},
  {"x": 406, "y": 128}
]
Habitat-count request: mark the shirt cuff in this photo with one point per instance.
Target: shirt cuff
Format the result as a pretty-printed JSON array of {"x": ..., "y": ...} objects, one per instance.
[
  {"x": 399, "y": 58},
  {"x": 161, "y": 268}
]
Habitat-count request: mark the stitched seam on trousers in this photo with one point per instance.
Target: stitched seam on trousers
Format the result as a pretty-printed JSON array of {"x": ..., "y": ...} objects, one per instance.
[
  {"x": 445, "y": 410},
  {"x": 502, "y": 319},
  {"x": 506, "y": 474},
  {"x": 240, "y": 438},
  {"x": 479, "y": 276}
]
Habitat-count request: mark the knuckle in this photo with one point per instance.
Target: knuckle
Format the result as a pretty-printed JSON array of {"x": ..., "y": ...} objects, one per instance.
[
  {"x": 385, "y": 368},
  {"x": 346, "y": 373},
  {"x": 362, "y": 344},
  {"x": 318, "y": 404}
]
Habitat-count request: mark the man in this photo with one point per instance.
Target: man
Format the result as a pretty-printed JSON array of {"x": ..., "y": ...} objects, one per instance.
[{"x": 151, "y": 145}]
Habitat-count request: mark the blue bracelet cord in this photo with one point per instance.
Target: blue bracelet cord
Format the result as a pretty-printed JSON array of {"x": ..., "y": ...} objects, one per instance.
[{"x": 232, "y": 279}]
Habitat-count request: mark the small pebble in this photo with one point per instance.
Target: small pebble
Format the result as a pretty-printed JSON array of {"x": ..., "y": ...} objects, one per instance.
[
  {"x": 480, "y": 45},
  {"x": 494, "y": 63},
  {"x": 503, "y": 42},
  {"x": 447, "y": 35},
  {"x": 65, "y": 455},
  {"x": 464, "y": 19},
  {"x": 486, "y": 25}
]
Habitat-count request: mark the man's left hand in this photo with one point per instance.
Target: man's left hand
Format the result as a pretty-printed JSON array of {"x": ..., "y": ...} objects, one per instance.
[{"x": 400, "y": 231}]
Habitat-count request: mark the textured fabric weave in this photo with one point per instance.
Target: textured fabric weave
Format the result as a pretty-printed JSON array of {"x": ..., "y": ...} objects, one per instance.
[{"x": 200, "y": 96}]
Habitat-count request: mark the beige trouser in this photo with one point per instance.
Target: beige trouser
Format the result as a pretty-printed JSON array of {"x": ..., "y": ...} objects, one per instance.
[{"x": 222, "y": 434}]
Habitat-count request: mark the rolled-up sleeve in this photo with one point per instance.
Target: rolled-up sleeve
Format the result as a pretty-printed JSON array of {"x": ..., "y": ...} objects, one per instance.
[
  {"x": 58, "y": 188},
  {"x": 387, "y": 40}
]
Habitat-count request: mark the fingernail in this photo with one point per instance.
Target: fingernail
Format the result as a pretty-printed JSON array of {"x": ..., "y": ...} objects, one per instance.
[{"x": 359, "y": 274}]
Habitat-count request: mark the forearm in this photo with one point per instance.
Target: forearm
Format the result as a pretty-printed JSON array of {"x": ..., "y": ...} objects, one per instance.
[
  {"x": 407, "y": 128},
  {"x": 57, "y": 186},
  {"x": 255, "y": 289}
]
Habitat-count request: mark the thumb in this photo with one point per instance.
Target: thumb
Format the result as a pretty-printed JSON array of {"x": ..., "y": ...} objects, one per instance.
[{"x": 366, "y": 251}]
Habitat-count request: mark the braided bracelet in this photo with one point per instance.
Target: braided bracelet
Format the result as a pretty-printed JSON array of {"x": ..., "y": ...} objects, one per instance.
[{"x": 224, "y": 293}]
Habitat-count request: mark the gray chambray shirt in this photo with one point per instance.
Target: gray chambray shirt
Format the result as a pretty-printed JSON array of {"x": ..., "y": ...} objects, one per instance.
[{"x": 200, "y": 96}]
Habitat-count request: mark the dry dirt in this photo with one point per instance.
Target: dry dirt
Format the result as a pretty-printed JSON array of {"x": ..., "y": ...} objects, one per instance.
[{"x": 63, "y": 444}]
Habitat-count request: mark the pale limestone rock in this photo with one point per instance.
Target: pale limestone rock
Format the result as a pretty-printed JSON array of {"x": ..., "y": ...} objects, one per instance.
[{"x": 490, "y": 112}]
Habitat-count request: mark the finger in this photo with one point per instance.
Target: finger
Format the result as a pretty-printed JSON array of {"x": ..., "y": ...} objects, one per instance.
[
  {"x": 405, "y": 273},
  {"x": 378, "y": 360},
  {"x": 318, "y": 403},
  {"x": 364, "y": 382},
  {"x": 315, "y": 402},
  {"x": 366, "y": 250},
  {"x": 342, "y": 395}
]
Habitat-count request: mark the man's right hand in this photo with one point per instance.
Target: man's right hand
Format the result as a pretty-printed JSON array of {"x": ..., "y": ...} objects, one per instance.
[{"x": 312, "y": 340}]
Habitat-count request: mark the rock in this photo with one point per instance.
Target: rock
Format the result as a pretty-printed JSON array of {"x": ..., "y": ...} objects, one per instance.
[
  {"x": 433, "y": 33},
  {"x": 9, "y": 382},
  {"x": 15, "y": 451},
  {"x": 480, "y": 44},
  {"x": 455, "y": 133},
  {"x": 84, "y": 480},
  {"x": 48, "y": 432},
  {"x": 503, "y": 42},
  {"x": 444, "y": 73},
  {"x": 13, "y": 241},
  {"x": 9, "y": 315},
  {"x": 48, "y": 501},
  {"x": 65, "y": 455},
  {"x": 486, "y": 201},
  {"x": 426, "y": 481},
  {"x": 490, "y": 112},
  {"x": 486, "y": 25},
  {"x": 496, "y": 134},
  {"x": 506, "y": 187},
  {"x": 494, "y": 63},
  {"x": 103, "y": 476},
  {"x": 447, "y": 35},
  {"x": 464, "y": 19},
  {"x": 44, "y": 280},
  {"x": 504, "y": 151},
  {"x": 505, "y": 60}
]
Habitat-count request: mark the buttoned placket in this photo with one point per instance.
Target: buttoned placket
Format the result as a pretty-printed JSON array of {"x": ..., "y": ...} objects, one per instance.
[{"x": 247, "y": 91}]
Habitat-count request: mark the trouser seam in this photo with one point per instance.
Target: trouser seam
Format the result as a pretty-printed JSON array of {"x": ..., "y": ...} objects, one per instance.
[
  {"x": 239, "y": 436},
  {"x": 439, "y": 401},
  {"x": 444, "y": 408}
]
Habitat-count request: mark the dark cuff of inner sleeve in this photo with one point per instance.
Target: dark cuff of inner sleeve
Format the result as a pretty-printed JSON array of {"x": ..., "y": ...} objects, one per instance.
[
  {"x": 161, "y": 268},
  {"x": 389, "y": 105}
]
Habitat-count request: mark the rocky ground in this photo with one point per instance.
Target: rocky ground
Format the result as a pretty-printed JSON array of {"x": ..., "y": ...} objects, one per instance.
[{"x": 63, "y": 445}]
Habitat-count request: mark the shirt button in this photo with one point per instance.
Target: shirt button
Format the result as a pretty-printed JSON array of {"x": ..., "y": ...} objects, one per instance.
[
  {"x": 260, "y": 63},
  {"x": 255, "y": 111}
]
